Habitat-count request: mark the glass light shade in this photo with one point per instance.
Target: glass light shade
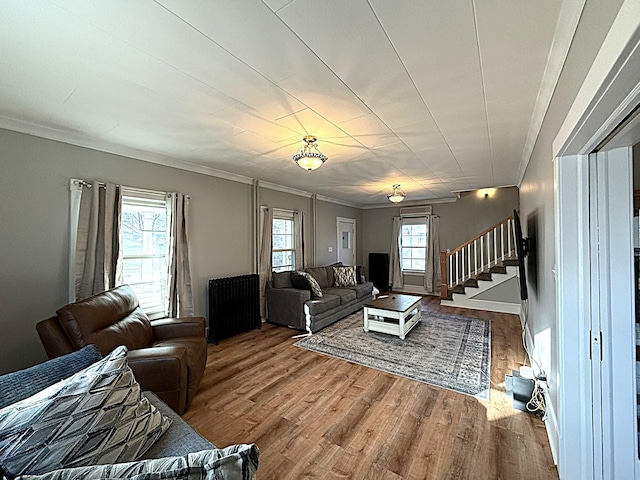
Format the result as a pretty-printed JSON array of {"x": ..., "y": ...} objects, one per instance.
[
  {"x": 396, "y": 195},
  {"x": 309, "y": 157}
]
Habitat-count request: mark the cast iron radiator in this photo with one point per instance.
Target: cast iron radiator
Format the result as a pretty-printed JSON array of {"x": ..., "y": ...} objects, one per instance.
[{"x": 234, "y": 306}]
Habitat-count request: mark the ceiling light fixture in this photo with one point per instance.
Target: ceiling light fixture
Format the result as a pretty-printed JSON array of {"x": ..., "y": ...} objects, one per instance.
[
  {"x": 396, "y": 195},
  {"x": 309, "y": 157}
]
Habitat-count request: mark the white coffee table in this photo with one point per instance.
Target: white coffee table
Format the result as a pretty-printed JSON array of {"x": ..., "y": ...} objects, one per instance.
[{"x": 394, "y": 314}]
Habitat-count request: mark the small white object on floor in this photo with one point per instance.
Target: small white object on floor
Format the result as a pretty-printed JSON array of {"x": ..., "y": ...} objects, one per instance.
[{"x": 375, "y": 292}]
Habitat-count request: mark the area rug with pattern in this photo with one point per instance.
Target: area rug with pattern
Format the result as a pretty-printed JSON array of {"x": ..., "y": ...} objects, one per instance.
[{"x": 448, "y": 351}]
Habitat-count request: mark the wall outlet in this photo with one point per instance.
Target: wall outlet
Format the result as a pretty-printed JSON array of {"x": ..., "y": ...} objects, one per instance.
[{"x": 330, "y": 249}]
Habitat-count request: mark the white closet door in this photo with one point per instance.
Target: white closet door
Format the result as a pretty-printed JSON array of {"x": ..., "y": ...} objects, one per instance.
[{"x": 613, "y": 309}]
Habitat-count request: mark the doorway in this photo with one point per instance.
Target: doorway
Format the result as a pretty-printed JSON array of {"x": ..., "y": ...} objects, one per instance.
[{"x": 346, "y": 229}]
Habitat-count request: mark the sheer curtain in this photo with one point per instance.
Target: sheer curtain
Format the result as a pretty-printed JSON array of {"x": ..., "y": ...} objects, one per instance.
[
  {"x": 97, "y": 240},
  {"x": 395, "y": 269},
  {"x": 264, "y": 268},
  {"x": 433, "y": 274},
  {"x": 180, "y": 290},
  {"x": 298, "y": 229}
]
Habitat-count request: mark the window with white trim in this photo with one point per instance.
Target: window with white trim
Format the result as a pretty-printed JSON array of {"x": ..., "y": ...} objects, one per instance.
[
  {"x": 413, "y": 237},
  {"x": 283, "y": 252},
  {"x": 145, "y": 240}
]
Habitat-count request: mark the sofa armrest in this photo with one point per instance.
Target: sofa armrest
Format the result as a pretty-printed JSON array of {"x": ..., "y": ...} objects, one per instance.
[
  {"x": 285, "y": 306},
  {"x": 163, "y": 370},
  {"x": 167, "y": 328}
]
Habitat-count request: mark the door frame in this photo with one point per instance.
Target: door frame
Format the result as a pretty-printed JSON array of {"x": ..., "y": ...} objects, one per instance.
[
  {"x": 339, "y": 238},
  {"x": 609, "y": 93}
]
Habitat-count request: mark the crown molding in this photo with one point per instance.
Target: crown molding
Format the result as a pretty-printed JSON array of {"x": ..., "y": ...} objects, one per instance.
[
  {"x": 413, "y": 203},
  {"x": 282, "y": 188},
  {"x": 322, "y": 198}
]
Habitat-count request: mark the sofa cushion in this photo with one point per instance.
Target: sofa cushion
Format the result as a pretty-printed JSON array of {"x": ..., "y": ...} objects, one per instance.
[
  {"x": 234, "y": 462},
  {"x": 281, "y": 279},
  {"x": 180, "y": 439},
  {"x": 109, "y": 319},
  {"x": 344, "y": 276},
  {"x": 362, "y": 289},
  {"x": 346, "y": 294},
  {"x": 95, "y": 416},
  {"x": 22, "y": 384},
  {"x": 327, "y": 302},
  {"x": 320, "y": 274}
]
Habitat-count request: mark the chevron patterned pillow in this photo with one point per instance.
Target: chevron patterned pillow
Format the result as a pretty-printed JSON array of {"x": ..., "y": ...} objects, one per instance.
[
  {"x": 345, "y": 276},
  {"x": 98, "y": 415},
  {"x": 236, "y": 462}
]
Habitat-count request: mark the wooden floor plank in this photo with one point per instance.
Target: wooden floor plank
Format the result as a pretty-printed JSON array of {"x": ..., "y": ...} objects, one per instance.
[{"x": 314, "y": 416}]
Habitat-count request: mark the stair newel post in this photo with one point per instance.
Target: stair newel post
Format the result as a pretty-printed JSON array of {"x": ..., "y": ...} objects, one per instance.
[
  {"x": 450, "y": 263},
  {"x": 443, "y": 280}
]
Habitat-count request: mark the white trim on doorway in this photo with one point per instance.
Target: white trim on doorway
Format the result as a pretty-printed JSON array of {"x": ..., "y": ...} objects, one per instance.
[{"x": 339, "y": 237}]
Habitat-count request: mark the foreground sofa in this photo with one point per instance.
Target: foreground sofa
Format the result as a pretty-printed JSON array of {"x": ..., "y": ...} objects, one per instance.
[
  {"x": 167, "y": 356},
  {"x": 88, "y": 398},
  {"x": 292, "y": 303}
]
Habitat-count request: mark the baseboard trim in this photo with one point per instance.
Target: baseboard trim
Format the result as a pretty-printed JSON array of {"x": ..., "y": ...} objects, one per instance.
[
  {"x": 414, "y": 289},
  {"x": 491, "y": 306},
  {"x": 553, "y": 430}
]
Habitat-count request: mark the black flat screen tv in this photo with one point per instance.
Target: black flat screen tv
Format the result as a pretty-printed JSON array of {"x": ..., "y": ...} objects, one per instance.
[{"x": 522, "y": 248}]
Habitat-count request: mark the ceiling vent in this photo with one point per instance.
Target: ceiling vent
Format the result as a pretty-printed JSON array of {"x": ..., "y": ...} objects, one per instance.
[{"x": 419, "y": 211}]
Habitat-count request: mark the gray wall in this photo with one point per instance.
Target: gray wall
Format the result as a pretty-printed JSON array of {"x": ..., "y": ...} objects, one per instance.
[
  {"x": 506, "y": 292},
  {"x": 459, "y": 221},
  {"x": 537, "y": 194},
  {"x": 34, "y": 226}
]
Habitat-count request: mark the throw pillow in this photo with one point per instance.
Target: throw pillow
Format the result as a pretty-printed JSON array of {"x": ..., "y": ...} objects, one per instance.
[
  {"x": 97, "y": 415},
  {"x": 316, "y": 291},
  {"x": 300, "y": 282},
  {"x": 234, "y": 462},
  {"x": 281, "y": 279},
  {"x": 345, "y": 276},
  {"x": 22, "y": 384}
]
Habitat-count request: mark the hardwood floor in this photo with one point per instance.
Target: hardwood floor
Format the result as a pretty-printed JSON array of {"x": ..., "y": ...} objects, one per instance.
[{"x": 314, "y": 416}]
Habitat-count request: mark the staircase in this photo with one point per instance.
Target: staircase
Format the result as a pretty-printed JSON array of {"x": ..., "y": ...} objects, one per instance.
[{"x": 479, "y": 266}]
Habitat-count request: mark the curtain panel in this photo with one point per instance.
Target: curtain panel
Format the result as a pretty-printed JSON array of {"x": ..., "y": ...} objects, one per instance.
[
  {"x": 298, "y": 228},
  {"x": 180, "y": 303},
  {"x": 97, "y": 239},
  {"x": 264, "y": 267},
  {"x": 395, "y": 269},
  {"x": 433, "y": 274}
]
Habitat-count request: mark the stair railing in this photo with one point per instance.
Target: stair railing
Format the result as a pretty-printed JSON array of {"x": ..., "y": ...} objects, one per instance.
[{"x": 477, "y": 256}]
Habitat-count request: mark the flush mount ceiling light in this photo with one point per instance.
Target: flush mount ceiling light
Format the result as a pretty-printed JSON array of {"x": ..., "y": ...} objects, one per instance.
[
  {"x": 309, "y": 157},
  {"x": 396, "y": 195}
]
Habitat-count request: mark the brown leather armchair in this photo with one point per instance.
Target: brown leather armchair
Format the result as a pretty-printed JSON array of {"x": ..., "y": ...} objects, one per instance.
[{"x": 167, "y": 356}]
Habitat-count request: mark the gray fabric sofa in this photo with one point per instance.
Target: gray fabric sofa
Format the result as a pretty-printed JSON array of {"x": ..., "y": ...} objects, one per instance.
[{"x": 296, "y": 308}]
